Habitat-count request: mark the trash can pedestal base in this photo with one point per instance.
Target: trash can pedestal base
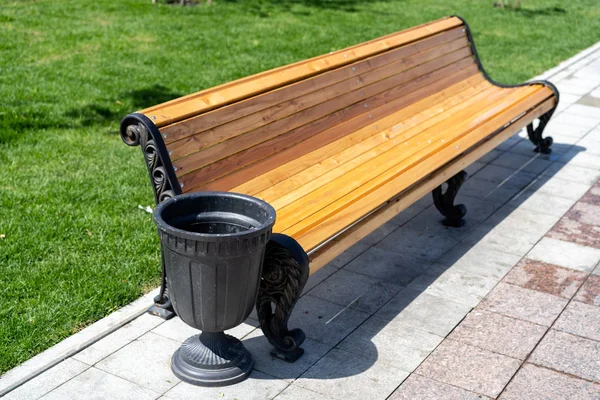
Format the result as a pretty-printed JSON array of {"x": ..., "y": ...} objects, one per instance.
[{"x": 212, "y": 359}]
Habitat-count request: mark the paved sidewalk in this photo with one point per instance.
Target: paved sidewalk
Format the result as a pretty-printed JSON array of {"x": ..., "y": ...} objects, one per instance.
[{"x": 507, "y": 306}]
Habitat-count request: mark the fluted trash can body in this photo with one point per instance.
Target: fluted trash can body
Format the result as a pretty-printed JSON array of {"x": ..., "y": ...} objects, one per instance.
[{"x": 213, "y": 245}]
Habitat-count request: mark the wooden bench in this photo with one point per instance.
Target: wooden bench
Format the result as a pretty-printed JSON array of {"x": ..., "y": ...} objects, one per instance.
[{"x": 338, "y": 144}]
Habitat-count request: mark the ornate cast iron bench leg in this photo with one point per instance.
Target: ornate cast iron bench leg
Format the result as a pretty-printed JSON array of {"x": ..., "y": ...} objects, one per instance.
[
  {"x": 444, "y": 202},
  {"x": 162, "y": 303},
  {"x": 542, "y": 145},
  {"x": 285, "y": 272}
]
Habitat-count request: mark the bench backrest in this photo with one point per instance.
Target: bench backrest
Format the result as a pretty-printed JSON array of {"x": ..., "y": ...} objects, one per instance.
[{"x": 222, "y": 137}]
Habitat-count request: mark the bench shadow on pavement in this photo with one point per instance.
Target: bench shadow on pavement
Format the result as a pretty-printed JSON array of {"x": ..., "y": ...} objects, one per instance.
[{"x": 507, "y": 189}]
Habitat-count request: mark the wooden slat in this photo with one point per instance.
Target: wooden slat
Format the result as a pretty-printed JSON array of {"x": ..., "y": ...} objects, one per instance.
[
  {"x": 401, "y": 156},
  {"x": 323, "y": 254},
  {"x": 318, "y": 98},
  {"x": 228, "y": 113},
  {"x": 376, "y": 93},
  {"x": 342, "y": 213},
  {"x": 203, "y": 101},
  {"x": 287, "y": 175},
  {"x": 303, "y": 133},
  {"x": 261, "y": 167},
  {"x": 342, "y": 162}
]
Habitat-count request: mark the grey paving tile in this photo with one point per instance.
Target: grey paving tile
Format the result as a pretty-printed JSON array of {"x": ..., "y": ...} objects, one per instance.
[
  {"x": 561, "y": 188},
  {"x": 410, "y": 212},
  {"x": 567, "y": 117},
  {"x": 427, "y": 312},
  {"x": 536, "y": 383},
  {"x": 260, "y": 349},
  {"x": 547, "y": 278},
  {"x": 388, "y": 266},
  {"x": 521, "y": 219},
  {"x": 477, "y": 211},
  {"x": 564, "y": 128},
  {"x": 590, "y": 290},
  {"x": 561, "y": 145},
  {"x": 47, "y": 381},
  {"x": 473, "y": 168},
  {"x": 176, "y": 329},
  {"x": 492, "y": 155},
  {"x": 593, "y": 113},
  {"x": 420, "y": 387},
  {"x": 295, "y": 392},
  {"x": 111, "y": 343},
  {"x": 503, "y": 238},
  {"x": 430, "y": 221},
  {"x": 459, "y": 285},
  {"x": 391, "y": 342},
  {"x": 319, "y": 276},
  {"x": 581, "y": 158},
  {"x": 576, "y": 86},
  {"x": 258, "y": 386},
  {"x": 528, "y": 305},
  {"x": 324, "y": 321},
  {"x": 145, "y": 361},
  {"x": 580, "y": 319},
  {"x": 356, "y": 291},
  {"x": 565, "y": 254},
  {"x": 486, "y": 190},
  {"x": 343, "y": 375},
  {"x": 506, "y": 176},
  {"x": 94, "y": 384},
  {"x": 498, "y": 333},
  {"x": 349, "y": 254},
  {"x": 469, "y": 367},
  {"x": 529, "y": 163},
  {"x": 379, "y": 234},
  {"x": 480, "y": 260},
  {"x": 423, "y": 245},
  {"x": 541, "y": 202},
  {"x": 568, "y": 353},
  {"x": 573, "y": 173}
]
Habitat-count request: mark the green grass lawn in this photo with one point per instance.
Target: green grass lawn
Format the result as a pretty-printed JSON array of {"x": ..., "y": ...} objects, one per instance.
[{"x": 73, "y": 244}]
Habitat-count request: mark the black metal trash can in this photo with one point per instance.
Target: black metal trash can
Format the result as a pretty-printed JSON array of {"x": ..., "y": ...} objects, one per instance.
[{"x": 214, "y": 245}]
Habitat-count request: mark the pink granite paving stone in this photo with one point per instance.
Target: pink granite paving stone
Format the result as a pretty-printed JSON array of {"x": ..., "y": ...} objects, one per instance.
[
  {"x": 498, "y": 333},
  {"x": 547, "y": 278},
  {"x": 526, "y": 304},
  {"x": 580, "y": 319},
  {"x": 420, "y": 387},
  {"x": 580, "y": 225},
  {"x": 570, "y": 354},
  {"x": 593, "y": 195},
  {"x": 469, "y": 367},
  {"x": 589, "y": 293},
  {"x": 537, "y": 383}
]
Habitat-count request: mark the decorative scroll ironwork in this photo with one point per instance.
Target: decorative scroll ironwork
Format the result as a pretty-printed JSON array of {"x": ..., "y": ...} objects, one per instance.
[
  {"x": 444, "y": 202},
  {"x": 138, "y": 130},
  {"x": 283, "y": 279},
  {"x": 542, "y": 145}
]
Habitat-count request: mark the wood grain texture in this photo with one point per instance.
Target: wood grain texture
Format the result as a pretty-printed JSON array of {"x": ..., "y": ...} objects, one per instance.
[
  {"x": 326, "y": 123},
  {"x": 223, "y": 115},
  {"x": 320, "y": 116},
  {"x": 203, "y": 101},
  {"x": 342, "y": 213},
  {"x": 410, "y": 96},
  {"x": 293, "y": 174},
  {"x": 335, "y": 245}
]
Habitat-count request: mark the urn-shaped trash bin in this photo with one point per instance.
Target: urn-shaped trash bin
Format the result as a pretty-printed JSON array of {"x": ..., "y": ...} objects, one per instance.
[{"x": 214, "y": 245}]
